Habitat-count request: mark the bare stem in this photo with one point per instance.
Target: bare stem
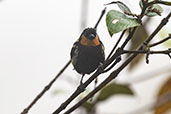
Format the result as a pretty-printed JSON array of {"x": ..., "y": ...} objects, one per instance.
[
  {"x": 114, "y": 48},
  {"x": 159, "y": 2},
  {"x": 145, "y": 52},
  {"x": 157, "y": 43},
  {"x": 103, "y": 12}
]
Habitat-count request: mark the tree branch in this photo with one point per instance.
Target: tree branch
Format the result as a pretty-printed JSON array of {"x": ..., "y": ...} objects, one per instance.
[
  {"x": 115, "y": 46},
  {"x": 159, "y": 2},
  {"x": 103, "y": 12},
  {"x": 163, "y": 22},
  {"x": 157, "y": 43},
  {"x": 146, "y": 51}
]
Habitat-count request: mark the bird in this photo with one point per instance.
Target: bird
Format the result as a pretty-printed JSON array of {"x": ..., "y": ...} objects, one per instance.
[{"x": 87, "y": 53}]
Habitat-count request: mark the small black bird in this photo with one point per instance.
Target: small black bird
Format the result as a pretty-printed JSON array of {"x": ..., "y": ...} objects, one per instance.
[{"x": 87, "y": 52}]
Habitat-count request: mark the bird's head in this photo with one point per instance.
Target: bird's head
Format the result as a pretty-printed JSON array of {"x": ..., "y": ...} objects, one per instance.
[
  {"x": 90, "y": 33},
  {"x": 89, "y": 37}
]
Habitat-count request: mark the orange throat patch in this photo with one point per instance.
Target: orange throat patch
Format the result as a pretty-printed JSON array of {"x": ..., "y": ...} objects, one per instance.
[{"x": 87, "y": 42}]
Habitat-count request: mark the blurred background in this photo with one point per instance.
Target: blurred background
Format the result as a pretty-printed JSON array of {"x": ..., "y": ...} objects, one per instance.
[{"x": 36, "y": 37}]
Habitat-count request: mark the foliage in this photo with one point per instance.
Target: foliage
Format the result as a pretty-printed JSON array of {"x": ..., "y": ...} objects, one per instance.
[{"x": 117, "y": 21}]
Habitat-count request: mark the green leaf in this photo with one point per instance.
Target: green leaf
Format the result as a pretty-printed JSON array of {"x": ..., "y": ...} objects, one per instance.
[
  {"x": 117, "y": 21},
  {"x": 123, "y": 7},
  {"x": 114, "y": 89},
  {"x": 153, "y": 10}
]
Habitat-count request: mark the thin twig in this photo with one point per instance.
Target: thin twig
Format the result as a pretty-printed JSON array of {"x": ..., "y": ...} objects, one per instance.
[
  {"x": 129, "y": 37},
  {"x": 146, "y": 51},
  {"x": 163, "y": 22},
  {"x": 118, "y": 59},
  {"x": 103, "y": 12},
  {"x": 115, "y": 73},
  {"x": 46, "y": 88},
  {"x": 114, "y": 48},
  {"x": 159, "y": 2},
  {"x": 157, "y": 43},
  {"x": 119, "y": 50}
]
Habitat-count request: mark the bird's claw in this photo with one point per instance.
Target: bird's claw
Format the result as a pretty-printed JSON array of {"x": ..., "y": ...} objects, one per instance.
[{"x": 101, "y": 68}]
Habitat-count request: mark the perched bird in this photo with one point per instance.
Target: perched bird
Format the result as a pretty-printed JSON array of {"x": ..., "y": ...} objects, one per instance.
[{"x": 87, "y": 52}]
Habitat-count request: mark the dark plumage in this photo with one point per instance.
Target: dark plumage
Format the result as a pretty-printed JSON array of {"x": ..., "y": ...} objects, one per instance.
[{"x": 88, "y": 52}]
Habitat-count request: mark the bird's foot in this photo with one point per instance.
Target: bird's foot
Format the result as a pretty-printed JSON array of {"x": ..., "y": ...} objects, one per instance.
[
  {"x": 101, "y": 68},
  {"x": 81, "y": 87}
]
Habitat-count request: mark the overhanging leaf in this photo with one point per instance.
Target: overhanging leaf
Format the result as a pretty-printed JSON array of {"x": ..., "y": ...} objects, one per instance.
[
  {"x": 153, "y": 10},
  {"x": 114, "y": 89},
  {"x": 122, "y": 6},
  {"x": 117, "y": 21},
  {"x": 167, "y": 105}
]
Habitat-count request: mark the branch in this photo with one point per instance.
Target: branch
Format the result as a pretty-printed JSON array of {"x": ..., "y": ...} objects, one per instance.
[
  {"x": 116, "y": 45},
  {"x": 103, "y": 12},
  {"x": 146, "y": 51},
  {"x": 157, "y": 43},
  {"x": 163, "y": 22},
  {"x": 129, "y": 37},
  {"x": 46, "y": 88},
  {"x": 159, "y": 2},
  {"x": 115, "y": 73},
  {"x": 118, "y": 59},
  {"x": 119, "y": 50}
]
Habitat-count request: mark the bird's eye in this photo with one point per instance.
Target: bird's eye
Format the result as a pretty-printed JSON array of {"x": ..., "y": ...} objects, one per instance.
[{"x": 92, "y": 36}]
